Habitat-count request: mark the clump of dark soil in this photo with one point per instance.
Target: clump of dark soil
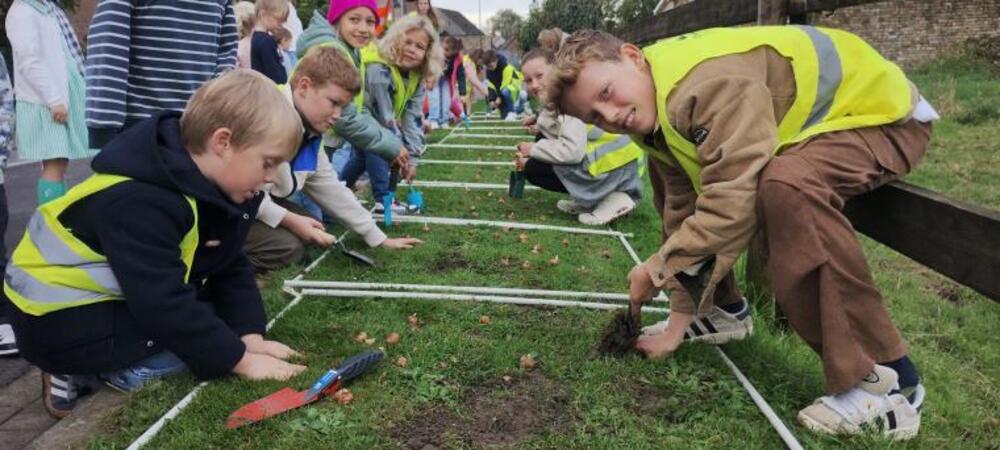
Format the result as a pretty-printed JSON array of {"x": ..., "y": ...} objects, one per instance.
[
  {"x": 449, "y": 262},
  {"x": 496, "y": 414},
  {"x": 619, "y": 336}
]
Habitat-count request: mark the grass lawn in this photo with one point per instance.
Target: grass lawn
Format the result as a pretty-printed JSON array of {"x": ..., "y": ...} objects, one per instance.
[{"x": 463, "y": 386}]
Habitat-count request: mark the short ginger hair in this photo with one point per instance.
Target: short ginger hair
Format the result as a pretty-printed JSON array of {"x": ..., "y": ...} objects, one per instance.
[
  {"x": 327, "y": 64},
  {"x": 577, "y": 50}
]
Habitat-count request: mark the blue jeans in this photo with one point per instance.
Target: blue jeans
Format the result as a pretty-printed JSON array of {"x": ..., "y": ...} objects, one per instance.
[
  {"x": 152, "y": 368},
  {"x": 339, "y": 158},
  {"x": 377, "y": 168},
  {"x": 508, "y": 104},
  {"x": 440, "y": 101},
  {"x": 307, "y": 203}
]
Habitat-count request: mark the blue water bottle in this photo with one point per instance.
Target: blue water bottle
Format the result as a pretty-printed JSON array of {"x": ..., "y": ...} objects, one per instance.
[{"x": 387, "y": 208}]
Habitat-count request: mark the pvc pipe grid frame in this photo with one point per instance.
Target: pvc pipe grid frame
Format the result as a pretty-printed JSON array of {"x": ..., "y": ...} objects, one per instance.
[{"x": 783, "y": 432}]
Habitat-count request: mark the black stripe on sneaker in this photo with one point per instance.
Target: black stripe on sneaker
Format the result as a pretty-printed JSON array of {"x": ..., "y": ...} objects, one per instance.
[
  {"x": 743, "y": 314},
  {"x": 694, "y": 329},
  {"x": 891, "y": 418},
  {"x": 708, "y": 325}
]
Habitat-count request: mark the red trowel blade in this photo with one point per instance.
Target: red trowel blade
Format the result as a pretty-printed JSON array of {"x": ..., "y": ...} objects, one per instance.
[{"x": 271, "y": 405}]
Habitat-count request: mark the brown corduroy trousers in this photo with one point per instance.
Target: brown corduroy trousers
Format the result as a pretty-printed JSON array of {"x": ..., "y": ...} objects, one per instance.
[{"x": 818, "y": 272}]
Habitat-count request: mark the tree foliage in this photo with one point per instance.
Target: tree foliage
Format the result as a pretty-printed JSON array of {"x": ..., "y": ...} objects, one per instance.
[
  {"x": 506, "y": 23},
  {"x": 569, "y": 15}
]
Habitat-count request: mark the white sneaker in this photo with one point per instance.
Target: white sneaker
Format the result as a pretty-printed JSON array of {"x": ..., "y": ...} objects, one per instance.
[
  {"x": 569, "y": 207},
  {"x": 397, "y": 208},
  {"x": 8, "y": 343},
  {"x": 867, "y": 405},
  {"x": 610, "y": 208},
  {"x": 432, "y": 125},
  {"x": 717, "y": 328},
  {"x": 445, "y": 126},
  {"x": 511, "y": 117}
]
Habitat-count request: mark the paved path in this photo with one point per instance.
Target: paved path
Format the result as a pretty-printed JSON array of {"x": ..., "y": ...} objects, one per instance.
[{"x": 23, "y": 419}]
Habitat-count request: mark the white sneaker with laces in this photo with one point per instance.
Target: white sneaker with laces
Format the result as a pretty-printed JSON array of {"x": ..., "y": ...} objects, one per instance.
[
  {"x": 869, "y": 405},
  {"x": 511, "y": 117},
  {"x": 717, "y": 328}
]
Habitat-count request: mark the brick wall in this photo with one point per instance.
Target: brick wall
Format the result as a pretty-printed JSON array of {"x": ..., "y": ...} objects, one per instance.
[{"x": 911, "y": 32}]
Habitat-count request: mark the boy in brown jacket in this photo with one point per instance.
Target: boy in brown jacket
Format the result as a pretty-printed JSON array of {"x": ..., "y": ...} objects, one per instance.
[{"x": 770, "y": 128}]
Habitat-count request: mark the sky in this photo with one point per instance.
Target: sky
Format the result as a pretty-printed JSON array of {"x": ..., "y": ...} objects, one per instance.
[{"x": 470, "y": 8}]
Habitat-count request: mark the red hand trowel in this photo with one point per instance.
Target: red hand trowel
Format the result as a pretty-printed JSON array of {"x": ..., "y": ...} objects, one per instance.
[{"x": 288, "y": 398}]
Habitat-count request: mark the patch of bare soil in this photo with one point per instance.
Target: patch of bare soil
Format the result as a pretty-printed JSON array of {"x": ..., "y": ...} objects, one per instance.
[
  {"x": 449, "y": 262},
  {"x": 492, "y": 415}
]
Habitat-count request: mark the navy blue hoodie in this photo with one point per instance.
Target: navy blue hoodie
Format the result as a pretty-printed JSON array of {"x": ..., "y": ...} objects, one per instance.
[{"x": 138, "y": 225}]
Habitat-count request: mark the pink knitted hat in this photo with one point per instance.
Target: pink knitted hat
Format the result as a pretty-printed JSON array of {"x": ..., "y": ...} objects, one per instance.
[{"x": 339, "y": 7}]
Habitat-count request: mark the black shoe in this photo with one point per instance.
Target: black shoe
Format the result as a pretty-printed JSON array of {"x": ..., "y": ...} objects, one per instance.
[{"x": 60, "y": 392}]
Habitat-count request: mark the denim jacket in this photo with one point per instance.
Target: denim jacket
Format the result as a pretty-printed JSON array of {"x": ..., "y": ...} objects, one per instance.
[{"x": 379, "y": 90}]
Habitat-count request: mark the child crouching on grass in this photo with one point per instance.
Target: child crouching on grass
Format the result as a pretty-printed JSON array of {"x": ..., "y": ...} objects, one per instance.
[
  {"x": 770, "y": 128},
  {"x": 599, "y": 170},
  {"x": 138, "y": 272},
  {"x": 396, "y": 69},
  {"x": 323, "y": 84}
]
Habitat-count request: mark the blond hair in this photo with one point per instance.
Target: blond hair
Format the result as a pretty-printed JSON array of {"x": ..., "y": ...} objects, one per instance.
[
  {"x": 275, "y": 8},
  {"x": 246, "y": 18},
  {"x": 551, "y": 38},
  {"x": 327, "y": 64},
  {"x": 390, "y": 47},
  {"x": 249, "y": 105},
  {"x": 577, "y": 50}
]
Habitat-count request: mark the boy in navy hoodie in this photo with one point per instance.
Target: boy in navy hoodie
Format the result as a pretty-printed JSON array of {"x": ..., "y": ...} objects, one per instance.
[{"x": 138, "y": 272}]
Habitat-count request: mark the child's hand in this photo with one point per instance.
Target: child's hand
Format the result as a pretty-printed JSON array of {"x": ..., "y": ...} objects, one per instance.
[
  {"x": 308, "y": 229},
  {"x": 666, "y": 343},
  {"x": 59, "y": 113},
  {"x": 255, "y": 366},
  {"x": 519, "y": 162},
  {"x": 529, "y": 121},
  {"x": 402, "y": 159},
  {"x": 404, "y": 243},
  {"x": 409, "y": 173},
  {"x": 524, "y": 149},
  {"x": 257, "y": 344}
]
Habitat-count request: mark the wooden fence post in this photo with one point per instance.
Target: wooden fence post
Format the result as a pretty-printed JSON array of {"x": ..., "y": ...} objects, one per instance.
[{"x": 772, "y": 12}]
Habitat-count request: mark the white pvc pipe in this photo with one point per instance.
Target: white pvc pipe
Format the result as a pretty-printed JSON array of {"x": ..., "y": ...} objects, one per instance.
[
  {"x": 474, "y": 147},
  {"x": 464, "y": 297},
  {"x": 460, "y": 162},
  {"x": 498, "y": 224},
  {"x": 491, "y": 136},
  {"x": 499, "y": 127},
  {"x": 786, "y": 435},
  {"x": 458, "y": 185},
  {"x": 458, "y": 289}
]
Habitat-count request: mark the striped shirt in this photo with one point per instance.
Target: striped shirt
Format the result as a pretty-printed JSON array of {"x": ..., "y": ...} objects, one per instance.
[{"x": 144, "y": 57}]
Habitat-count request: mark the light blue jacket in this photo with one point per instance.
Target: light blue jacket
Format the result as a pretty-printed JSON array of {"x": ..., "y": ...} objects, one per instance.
[{"x": 379, "y": 91}]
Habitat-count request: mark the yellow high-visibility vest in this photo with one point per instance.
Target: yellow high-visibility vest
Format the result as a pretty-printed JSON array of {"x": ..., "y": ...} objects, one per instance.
[
  {"x": 52, "y": 270},
  {"x": 841, "y": 82},
  {"x": 607, "y": 151},
  {"x": 404, "y": 90},
  {"x": 511, "y": 79}
]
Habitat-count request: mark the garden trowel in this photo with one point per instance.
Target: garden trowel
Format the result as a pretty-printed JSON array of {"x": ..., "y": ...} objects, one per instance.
[{"x": 288, "y": 398}]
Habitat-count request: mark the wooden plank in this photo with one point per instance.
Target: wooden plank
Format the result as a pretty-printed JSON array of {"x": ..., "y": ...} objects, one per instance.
[
  {"x": 772, "y": 12},
  {"x": 693, "y": 16},
  {"x": 958, "y": 240}
]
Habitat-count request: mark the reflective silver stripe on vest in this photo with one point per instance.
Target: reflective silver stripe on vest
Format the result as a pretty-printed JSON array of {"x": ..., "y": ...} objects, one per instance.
[
  {"x": 56, "y": 252},
  {"x": 594, "y": 134},
  {"x": 830, "y": 75},
  {"x": 30, "y": 288},
  {"x": 607, "y": 147}
]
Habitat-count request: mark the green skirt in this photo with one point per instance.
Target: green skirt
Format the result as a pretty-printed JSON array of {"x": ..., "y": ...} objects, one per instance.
[{"x": 39, "y": 137}]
